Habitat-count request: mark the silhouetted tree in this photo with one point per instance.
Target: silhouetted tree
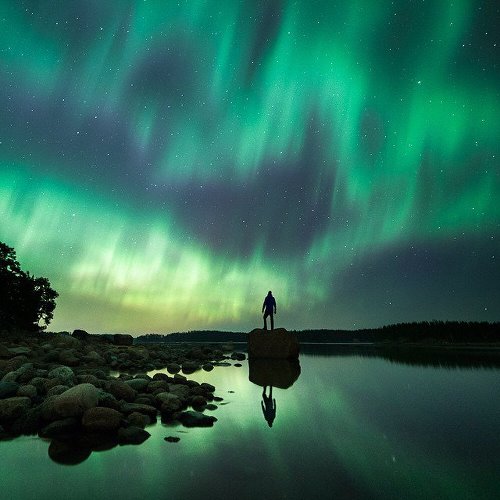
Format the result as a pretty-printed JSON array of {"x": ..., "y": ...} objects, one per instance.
[{"x": 26, "y": 302}]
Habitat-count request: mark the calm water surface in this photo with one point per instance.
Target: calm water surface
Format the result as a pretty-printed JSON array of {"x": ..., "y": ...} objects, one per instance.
[{"x": 349, "y": 427}]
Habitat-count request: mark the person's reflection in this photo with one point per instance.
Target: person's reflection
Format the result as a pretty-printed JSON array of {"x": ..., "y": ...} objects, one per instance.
[{"x": 268, "y": 406}]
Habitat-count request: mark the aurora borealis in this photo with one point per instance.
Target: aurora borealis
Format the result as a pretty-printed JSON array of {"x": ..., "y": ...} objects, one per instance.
[{"x": 166, "y": 163}]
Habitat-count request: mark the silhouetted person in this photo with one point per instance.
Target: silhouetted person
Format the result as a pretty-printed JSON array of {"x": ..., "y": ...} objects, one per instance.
[
  {"x": 268, "y": 406},
  {"x": 269, "y": 308}
]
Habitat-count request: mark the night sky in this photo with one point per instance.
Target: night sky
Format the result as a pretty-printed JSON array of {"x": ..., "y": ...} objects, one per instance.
[{"x": 166, "y": 163}]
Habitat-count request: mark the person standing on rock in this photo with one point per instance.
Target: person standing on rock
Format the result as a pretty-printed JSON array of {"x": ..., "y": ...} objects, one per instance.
[{"x": 269, "y": 309}]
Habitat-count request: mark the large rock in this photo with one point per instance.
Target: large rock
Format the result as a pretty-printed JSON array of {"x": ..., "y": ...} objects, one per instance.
[
  {"x": 138, "y": 384},
  {"x": 65, "y": 375},
  {"x": 121, "y": 390},
  {"x": 169, "y": 402},
  {"x": 148, "y": 410},
  {"x": 81, "y": 335},
  {"x": 12, "y": 408},
  {"x": 100, "y": 419},
  {"x": 75, "y": 401},
  {"x": 277, "y": 343},
  {"x": 196, "y": 419},
  {"x": 8, "y": 389}
]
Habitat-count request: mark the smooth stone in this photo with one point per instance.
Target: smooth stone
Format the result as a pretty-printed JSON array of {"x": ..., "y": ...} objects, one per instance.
[
  {"x": 138, "y": 419},
  {"x": 278, "y": 343},
  {"x": 101, "y": 419},
  {"x": 238, "y": 356},
  {"x": 196, "y": 419},
  {"x": 173, "y": 368},
  {"x": 172, "y": 439},
  {"x": 138, "y": 384},
  {"x": 148, "y": 410},
  {"x": 12, "y": 408},
  {"x": 68, "y": 453},
  {"x": 121, "y": 390},
  {"x": 77, "y": 400},
  {"x": 64, "y": 373},
  {"x": 28, "y": 391},
  {"x": 8, "y": 389}
]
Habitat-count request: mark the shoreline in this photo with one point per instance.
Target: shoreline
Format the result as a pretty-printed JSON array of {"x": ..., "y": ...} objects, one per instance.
[{"x": 65, "y": 389}]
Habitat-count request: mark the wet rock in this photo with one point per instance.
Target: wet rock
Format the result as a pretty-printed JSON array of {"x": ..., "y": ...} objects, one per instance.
[
  {"x": 8, "y": 389},
  {"x": 238, "y": 356},
  {"x": 28, "y": 423},
  {"x": 189, "y": 367},
  {"x": 57, "y": 390},
  {"x": 121, "y": 390},
  {"x": 28, "y": 391},
  {"x": 64, "y": 374},
  {"x": 63, "y": 340},
  {"x": 14, "y": 363},
  {"x": 169, "y": 402},
  {"x": 138, "y": 384},
  {"x": 132, "y": 435},
  {"x": 148, "y": 410},
  {"x": 12, "y": 408},
  {"x": 173, "y": 368},
  {"x": 172, "y": 439},
  {"x": 75, "y": 401},
  {"x": 20, "y": 350},
  {"x": 180, "y": 390},
  {"x": 157, "y": 385},
  {"x": 68, "y": 357},
  {"x": 100, "y": 419},
  {"x": 208, "y": 367},
  {"x": 198, "y": 402},
  {"x": 90, "y": 379},
  {"x": 5, "y": 353},
  {"x": 196, "y": 419},
  {"x": 20, "y": 372},
  {"x": 221, "y": 363},
  {"x": 94, "y": 358},
  {"x": 274, "y": 344},
  {"x": 207, "y": 387},
  {"x": 138, "y": 419}
]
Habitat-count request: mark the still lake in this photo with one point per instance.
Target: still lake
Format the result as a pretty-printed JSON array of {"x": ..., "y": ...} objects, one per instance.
[{"x": 351, "y": 426}]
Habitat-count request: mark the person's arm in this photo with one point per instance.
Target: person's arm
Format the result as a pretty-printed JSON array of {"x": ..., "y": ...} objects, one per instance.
[{"x": 274, "y": 300}]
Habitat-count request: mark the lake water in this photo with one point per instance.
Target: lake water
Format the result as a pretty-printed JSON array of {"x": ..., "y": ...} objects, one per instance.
[{"x": 350, "y": 426}]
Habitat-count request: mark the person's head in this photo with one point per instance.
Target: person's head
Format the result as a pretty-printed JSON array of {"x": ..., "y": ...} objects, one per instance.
[{"x": 269, "y": 293}]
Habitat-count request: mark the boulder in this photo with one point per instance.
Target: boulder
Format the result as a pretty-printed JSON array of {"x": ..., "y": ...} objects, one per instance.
[
  {"x": 68, "y": 357},
  {"x": 12, "y": 408},
  {"x": 100, "y": 419},
  {"x": 189, "y": 367},
  {"x": 56, "y": 390},
  {"x": 173, "y": 368},
  {"x": 196, "y": 419},
  {"x": 121, "y": 390},
  {"x": 138, "y": 384},
  {"x": 208, "y": 367},
  {"x": 274, "y": 344},
  {"x": 8, "y": 389},
  {"x": 148, "y": 410},
  {"x": 28, "y": 391},
  {"x": 20, "y": 350},
  {"x": 132, "y": 435},
  {"x": 75, "y": 401},
  {"x": 65, "y": 375},
  {"x": 169, "y": 402},
  {"x": 238, "y": 356},
  {"x": 138, "y": 419},
  {"x": 180, "y": 390}
]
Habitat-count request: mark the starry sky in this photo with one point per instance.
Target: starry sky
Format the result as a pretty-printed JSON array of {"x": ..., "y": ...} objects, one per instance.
[{"x": 166, "y": 163}]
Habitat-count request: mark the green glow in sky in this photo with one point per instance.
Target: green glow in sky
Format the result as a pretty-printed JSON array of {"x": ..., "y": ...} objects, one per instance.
[{"x": 166, "y": 163}]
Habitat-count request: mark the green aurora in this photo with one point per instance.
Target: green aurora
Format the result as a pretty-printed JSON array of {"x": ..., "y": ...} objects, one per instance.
[{"x": 166, "y": 163}]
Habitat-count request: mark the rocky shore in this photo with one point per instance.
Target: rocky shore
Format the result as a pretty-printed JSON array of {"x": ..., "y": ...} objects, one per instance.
[{"x": 89, "y": 392}]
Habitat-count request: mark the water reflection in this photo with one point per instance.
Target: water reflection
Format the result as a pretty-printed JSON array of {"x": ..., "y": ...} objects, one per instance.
[
  {"x": 268, "y": 405},
  {"x": 280, "y": 373}
]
